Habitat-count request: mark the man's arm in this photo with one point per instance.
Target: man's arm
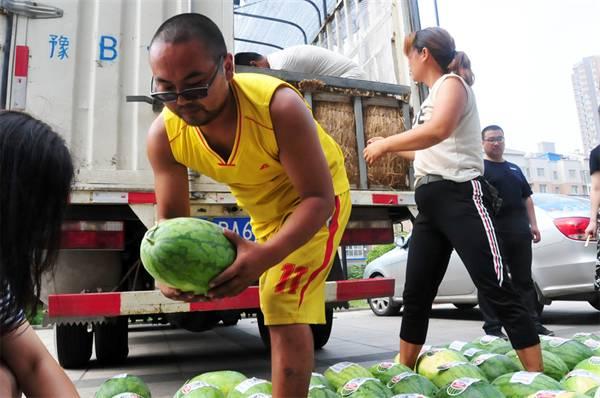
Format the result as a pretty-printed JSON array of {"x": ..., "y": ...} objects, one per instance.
[
  {"x": 37, "y": 373},
  {"x": 535, "y": 232},
  {"x": 170, "y": 177},
  {"x": 595, "y": 204},
  {"x": 302, "y": 157}
]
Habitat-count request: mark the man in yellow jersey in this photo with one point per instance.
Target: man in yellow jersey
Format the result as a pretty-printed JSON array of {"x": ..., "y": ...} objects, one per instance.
[{"x": 256, "y": 134}]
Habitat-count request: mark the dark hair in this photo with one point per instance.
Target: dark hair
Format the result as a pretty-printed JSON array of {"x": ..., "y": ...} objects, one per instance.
[
  {"x": 185, "y": 27},
  {"x": 246, "y": 58},
  {"x": 36, "y": 171},
  {"x": 490, "y": 128},
  {"x": 441, "y": 46}
]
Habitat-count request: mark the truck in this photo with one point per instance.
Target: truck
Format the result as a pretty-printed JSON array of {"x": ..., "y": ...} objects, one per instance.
[{"x": 82, "y": 67}]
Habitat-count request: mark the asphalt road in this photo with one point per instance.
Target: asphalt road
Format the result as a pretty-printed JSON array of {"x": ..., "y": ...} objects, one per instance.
[{"x": 165, "y": 358}]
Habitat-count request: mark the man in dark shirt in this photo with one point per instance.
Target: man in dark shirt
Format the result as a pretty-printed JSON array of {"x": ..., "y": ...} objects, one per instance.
[
  {"x": 515, "y": 224},
  {"x": 592, "y": 229}
]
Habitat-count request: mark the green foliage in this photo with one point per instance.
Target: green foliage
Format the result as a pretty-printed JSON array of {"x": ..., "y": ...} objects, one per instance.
[{"x": 378, "y": 251}]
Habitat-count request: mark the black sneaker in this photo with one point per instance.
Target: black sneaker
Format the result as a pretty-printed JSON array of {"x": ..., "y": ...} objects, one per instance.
[
  {"x": 543, "y": 331},
  {"x": 497, "y": 333}
]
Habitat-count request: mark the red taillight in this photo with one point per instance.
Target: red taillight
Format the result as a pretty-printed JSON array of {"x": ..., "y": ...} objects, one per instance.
[
  {"x": 368, "y": 233},
  {"x": 98, "y": 235},
  {"x": 572, "y": 227}
]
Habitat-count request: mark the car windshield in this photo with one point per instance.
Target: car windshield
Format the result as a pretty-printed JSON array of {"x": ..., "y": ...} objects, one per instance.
[{"x": 561, "y": 203}]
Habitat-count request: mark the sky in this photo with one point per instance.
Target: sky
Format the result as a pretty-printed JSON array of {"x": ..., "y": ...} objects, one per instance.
[{"x": 522, "y": 53}]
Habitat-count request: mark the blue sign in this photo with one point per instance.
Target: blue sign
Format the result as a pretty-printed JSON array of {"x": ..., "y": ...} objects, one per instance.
[
  {"x": 108, "y": 48},
  {"x": 239, "y": 225}
]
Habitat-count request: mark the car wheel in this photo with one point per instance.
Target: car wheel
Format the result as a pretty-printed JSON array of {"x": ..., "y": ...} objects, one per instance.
[
  {"x": 595, "y": 302},
  {"x": 383, "y": 306},
  {"x": 111, "y": 340},
  {"x": 73, "y": 345},
  {"x": 464, "y": 306}
]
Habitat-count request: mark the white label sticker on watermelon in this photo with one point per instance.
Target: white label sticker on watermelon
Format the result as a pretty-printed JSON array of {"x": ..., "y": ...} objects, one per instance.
[
  {"x": 583, "y": 373},
  {"x": 446, "y": 366},
  {"x": 338, "y": 367},
  {"x": 457, "y": 345},
  {"x": 127, "y": 395},
  {"x": 482, "y": 358},
  {"x": 487, "y": 339},
  {"x": 399, "y": 377},
  {"x": 120, "y": 376},
  {"x": 591, "y": 343},
  {"x": 594, "y": 360},
  {"x": 424, "y": 349},
  {"x": 260, "y": 395},
  {"x": 354, "y": 384},
  {"x": 472, "y": 351},
  {"x": 524, "y": 377},
  {"x": 315, "y": 374},
  {"x": 548, "y": 394},
  {"x": 458, "y": 386},
  {"x": 193, "y": 386},
  {"x": 582, "y": 334},
  {"x": 384, "y": 366},
  {"x": 410, "y": 395},
  {"x": 557, "y": 341},
  {"x": 249, "y": 383}
]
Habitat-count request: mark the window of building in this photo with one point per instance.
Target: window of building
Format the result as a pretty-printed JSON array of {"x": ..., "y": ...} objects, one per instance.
[
  {"x": 555, "y": 175},
  {"x": 572, "y": 174},
  {"x": 540, "y": 172},
  {"x": 584, "y": 189},
  {"x": 543, "y": 188},
  {"x": 556, "y": 189},
  {"x": 574, "y": 189},
  {"x": 527, "y": 172},
  {"x": 356, "y": 252}
]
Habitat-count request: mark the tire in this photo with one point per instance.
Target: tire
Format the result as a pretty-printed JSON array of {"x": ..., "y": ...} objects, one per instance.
[
  {"x": 111, "y": 341},
  {"x": 595, "y": 302},
  {"x": 321, "y": 333},
  {"x": 73, "y": 345},
  {"x": 383, "y": 306},
  {"x": 464, "y": 306}
]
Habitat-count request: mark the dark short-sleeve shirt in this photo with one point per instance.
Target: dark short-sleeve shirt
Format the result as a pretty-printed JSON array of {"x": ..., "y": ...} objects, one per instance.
[
  {"x": 595, "y": 160},
  {"x": 513, "y": 187},
  {"x": 11, "y": 316}
]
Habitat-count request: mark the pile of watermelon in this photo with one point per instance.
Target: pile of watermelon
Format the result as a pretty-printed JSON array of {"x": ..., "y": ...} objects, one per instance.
[{"x": 484, "y": 368}]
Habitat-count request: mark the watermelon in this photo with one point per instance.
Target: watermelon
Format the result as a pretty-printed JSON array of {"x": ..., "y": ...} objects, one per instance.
[
  {"x": 320, "y": 391},
  {"x": 124, "y": 383},
  {"x": 260, "y": 395},
  {"x": 250, "y": 386},
  {"x": 317, "y": 379},
  {"x": 198, "y": 389},
  {"x": 224, "y": 380},
  {"x": 455, "y": 370},
  {"x": 592, "y": 364},
  {"x": 522, "y": 384},
  {"x": 556, "y": 394},
  {"x": 467, "y": 387},
  {"x": 473, "y": 353},
  {"x": 493, "y": 344},
  {"x": 581, "y": 337},
  {"x": 384, "y": 371},
  {"x": 411, "y": 382},
  {"x": 593, "y": 345},
  {"x": 186, "y": 253},
  {"x": 364, "y": 387},
  {"x": 570, "y": 351},
  {"x": 342, "y": 372},
  {"x": 553, "y": 365},
  {"x": 460, "y": 346},
  {"x": 430, "y": 359},
  {"x": 580, "y": 380},
  {"x": 494, "y": 365},
  {"x": 411, "y": 395}
]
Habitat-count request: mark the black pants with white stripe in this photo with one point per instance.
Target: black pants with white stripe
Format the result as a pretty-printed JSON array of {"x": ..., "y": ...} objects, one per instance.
[{"x": 456, "y": 215}]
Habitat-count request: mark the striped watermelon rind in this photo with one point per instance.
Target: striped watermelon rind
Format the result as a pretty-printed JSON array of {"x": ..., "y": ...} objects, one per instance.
[
  {"x": 364, "y": 387},
  {"x": 553, "y": 365},
  {"x": 521, "y": 384},
  {"x": 186, "y": 253},
  {"x": 429, "y": 360},
  {"x": 456, "y": 370},
  {"x": 466, "y": 387},
  {"x": 591, "y": 364},
  {"x": 224, "y": 380},
  {"x": 198, "y": 389},
  {"x": 384, "y": 371},
  {"x": 493, "y": 344},
  {"x": 411, "y": 382},
  {"x": 580, "y": 380},
  {"x": 251, "y": 386},
  {"x": 123, "y": 383},
  {"x": 570, "y": 351},
  {"x": 320, "y": 391},
  {"x": 342, "y": 372},
  {"x": 494, "y": 365}
]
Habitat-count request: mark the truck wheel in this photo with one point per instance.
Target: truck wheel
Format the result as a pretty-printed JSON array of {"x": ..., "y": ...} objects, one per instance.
[
  {"x": 321, "y": 333},
  {"x": 73, "y": 345},
  {"x": 111, "y": 341}
]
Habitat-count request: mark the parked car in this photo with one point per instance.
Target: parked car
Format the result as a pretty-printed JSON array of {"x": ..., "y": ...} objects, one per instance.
[{"x": 563, "y": 267}]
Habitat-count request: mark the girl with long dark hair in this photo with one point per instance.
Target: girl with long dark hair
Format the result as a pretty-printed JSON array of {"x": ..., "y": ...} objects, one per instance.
[
  {"x": 35, "y": 179},
  {"x": 455, "y": 203}
]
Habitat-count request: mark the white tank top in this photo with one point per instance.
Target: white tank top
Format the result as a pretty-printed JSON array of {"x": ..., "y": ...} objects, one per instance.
[{"x": 459, "y": 157}]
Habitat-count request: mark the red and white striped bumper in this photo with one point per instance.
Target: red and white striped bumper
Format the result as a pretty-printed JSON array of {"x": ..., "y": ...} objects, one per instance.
[{"x": 73, "y": 307}]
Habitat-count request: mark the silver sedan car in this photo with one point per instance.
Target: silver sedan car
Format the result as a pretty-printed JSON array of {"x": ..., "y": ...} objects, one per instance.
[{"x": 563, "y": 267}]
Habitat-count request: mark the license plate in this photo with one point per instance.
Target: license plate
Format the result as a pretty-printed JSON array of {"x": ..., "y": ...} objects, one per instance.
[{"x": 239, "y": 225}]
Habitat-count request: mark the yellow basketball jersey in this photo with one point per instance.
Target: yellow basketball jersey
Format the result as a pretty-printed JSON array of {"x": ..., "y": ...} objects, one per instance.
[{"x": 253, "y": 171}]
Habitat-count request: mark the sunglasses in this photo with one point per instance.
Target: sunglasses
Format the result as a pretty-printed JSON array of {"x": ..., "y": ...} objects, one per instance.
[
  {"x": 189, "y": 94},
  {"x": 494, "y": 139}
]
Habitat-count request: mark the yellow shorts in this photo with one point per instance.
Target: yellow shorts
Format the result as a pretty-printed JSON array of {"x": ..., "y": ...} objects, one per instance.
[{"x": 293, "y": 291}]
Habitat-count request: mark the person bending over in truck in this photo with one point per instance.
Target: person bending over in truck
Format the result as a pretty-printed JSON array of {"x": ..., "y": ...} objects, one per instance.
[
  {"x": 304, "y": 59},
  {"x": 256, "y": 134},
  {"x": 35, "y": 174},
  {"x": 454, "y": 201},
  {"x": 517, "y": 226}
]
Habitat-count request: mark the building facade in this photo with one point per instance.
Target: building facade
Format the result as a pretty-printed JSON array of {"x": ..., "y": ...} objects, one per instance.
[{"x": 586, "y": 87}]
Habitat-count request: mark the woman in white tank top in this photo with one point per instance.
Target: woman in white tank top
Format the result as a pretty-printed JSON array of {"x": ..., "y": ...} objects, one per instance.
[{"x": 455, "y": 203}]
